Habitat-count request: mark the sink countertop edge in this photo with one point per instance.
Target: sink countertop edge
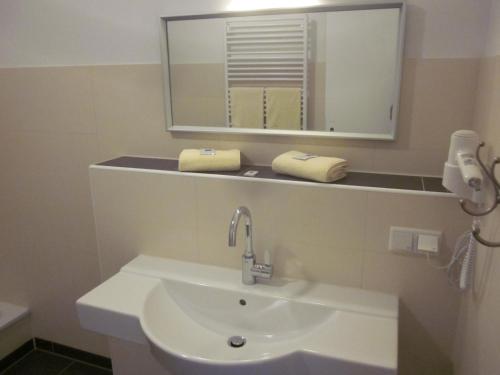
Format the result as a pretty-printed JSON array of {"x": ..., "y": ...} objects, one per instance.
[
  {"x": 117, "y": 316},
  {"x": 339, "y": 297}
]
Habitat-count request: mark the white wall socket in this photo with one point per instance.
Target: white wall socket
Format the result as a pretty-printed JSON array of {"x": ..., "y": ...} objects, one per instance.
[{"x": 414, "y": 241}]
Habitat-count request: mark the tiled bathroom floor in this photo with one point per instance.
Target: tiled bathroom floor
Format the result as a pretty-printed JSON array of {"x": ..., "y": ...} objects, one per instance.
[{"x": 44, "y": 363}]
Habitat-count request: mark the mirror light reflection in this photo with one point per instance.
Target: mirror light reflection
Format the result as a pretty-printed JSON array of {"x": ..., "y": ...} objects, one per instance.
[{"x": 238, "y": 5}]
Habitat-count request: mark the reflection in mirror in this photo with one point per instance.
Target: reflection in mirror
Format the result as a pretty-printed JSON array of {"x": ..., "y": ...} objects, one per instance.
[{"x": 333, "y": 72}]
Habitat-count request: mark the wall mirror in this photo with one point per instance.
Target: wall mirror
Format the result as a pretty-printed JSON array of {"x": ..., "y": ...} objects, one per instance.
[{"x": 321, "y": 71}]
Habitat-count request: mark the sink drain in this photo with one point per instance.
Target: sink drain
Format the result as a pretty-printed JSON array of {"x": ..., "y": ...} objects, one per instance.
[{"x": 236, "y": 341}]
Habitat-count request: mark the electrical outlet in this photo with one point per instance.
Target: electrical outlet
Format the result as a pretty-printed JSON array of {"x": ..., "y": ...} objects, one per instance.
[{"x": 414, "y": 241}]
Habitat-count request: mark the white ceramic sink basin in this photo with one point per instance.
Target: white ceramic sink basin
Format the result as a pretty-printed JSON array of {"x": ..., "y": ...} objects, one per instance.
[
  {"x": 219, "y": 314},
  {"x": 187, "y": 312}
]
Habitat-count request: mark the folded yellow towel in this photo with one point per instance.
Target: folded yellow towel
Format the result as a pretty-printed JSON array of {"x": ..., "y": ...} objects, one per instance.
[
  {"x": 205, "y": 161},
  {"x": 247, "y": 107},
  {"x": 320, "y": 168},
  {"x": 283, "y": 107}
]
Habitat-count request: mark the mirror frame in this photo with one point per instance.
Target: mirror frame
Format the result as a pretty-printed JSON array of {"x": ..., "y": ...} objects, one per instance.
[{"x": 339, "y": 6}]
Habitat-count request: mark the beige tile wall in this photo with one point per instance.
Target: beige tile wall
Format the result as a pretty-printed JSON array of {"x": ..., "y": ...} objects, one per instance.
[
  {"x": 55, "y": 121},
  {"x": 477, "y": 345},
  {"x": 49, "y": 234},
  {"x": 323, "y": 234},
  {"x": 47, "y": 140}
]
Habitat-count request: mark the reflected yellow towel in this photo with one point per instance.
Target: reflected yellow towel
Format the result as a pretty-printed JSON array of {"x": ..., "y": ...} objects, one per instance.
[
  {"x": 321, "y": 168},
  {"x": 283, "y": 107},
  {"x": 247, "y": 107},
  {"x": 223, "y": 160}
]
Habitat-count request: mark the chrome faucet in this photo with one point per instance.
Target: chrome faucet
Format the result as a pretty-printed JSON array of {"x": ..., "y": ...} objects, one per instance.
[{"x": 251, "y": 270}]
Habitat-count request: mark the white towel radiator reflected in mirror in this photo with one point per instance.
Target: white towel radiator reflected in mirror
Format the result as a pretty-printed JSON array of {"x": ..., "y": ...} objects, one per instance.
[{"x": 267, "y": 51}]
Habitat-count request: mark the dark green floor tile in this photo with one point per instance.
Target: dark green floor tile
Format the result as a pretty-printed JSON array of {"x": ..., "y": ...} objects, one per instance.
[
  {"x": 16, "y": 355},
  {"x": 82, "y": 369},
  {"x": 39, "y": 363},
  {"x": 82, "y": 356},
  {"x": 43, "y": 344}
]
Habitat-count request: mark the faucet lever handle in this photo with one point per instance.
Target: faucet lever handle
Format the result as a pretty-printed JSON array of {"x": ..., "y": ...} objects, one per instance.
[{"x": 267, "y": 258}]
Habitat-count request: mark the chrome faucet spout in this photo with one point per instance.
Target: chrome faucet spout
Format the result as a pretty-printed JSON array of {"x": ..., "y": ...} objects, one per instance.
[
  {"x": 233, "y": 227},
  {"x": 250, "y": 268}
]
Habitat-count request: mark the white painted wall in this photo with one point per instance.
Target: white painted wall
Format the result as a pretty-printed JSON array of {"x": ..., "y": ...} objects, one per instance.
[
  {"x": 492, "y": 47},
  {"x": 90, "y": 32},
  {"x": 64, "y": 32}
]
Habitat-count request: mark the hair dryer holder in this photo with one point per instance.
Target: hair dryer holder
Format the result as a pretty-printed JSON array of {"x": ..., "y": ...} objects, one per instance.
[{"x": 490, "y": 175}]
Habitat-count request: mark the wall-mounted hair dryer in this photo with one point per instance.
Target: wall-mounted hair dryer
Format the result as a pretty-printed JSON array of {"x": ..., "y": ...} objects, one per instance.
[
  {"x": 462, "y": 174},
  {"x": 464, "y": 177}
]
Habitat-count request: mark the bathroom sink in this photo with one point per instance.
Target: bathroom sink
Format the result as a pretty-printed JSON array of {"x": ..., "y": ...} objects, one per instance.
[
  {"x": 217, "y": 314},
  {"x": 200, "y": 319}
]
